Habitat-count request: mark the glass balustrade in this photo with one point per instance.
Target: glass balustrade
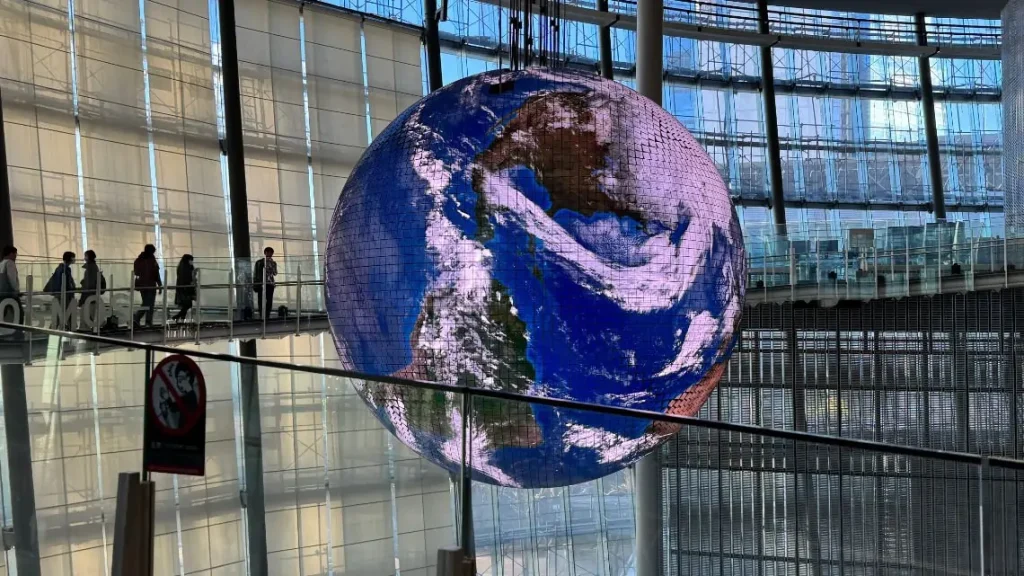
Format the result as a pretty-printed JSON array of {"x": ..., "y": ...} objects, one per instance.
[{"x": 342, "y": 495}]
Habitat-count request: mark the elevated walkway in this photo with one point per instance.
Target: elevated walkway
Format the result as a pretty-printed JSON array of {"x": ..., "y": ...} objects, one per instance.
[
  {"x": 819, "y": 271},
  {"x": 807, "y": 271}
]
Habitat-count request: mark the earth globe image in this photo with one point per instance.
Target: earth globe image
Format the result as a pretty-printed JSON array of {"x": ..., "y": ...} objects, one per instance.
[{"x": 543, "y": 232}]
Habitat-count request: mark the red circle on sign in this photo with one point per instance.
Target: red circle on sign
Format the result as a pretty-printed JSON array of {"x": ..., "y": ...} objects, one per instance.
[{"x": 183, "y": 392}]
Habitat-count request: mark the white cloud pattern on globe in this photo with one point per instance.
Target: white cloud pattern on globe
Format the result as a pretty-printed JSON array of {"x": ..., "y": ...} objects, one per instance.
[{"x": 542, "y": 232}]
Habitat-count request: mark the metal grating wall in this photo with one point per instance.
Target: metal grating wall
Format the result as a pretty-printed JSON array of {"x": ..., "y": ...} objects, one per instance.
[
  {"x": 941, "y": 372},
  {"x": 1013, "y": 113}
]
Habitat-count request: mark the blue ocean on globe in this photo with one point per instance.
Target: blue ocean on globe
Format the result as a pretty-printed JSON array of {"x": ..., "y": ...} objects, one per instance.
[{"x": 543, "y": 232}]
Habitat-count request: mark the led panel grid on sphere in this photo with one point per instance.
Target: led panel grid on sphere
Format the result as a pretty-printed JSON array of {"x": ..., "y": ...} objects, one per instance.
[{"x": 544, "y": 232}]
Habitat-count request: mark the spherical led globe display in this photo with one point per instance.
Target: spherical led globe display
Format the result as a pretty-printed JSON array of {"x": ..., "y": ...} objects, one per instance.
[{"x": 541, "y": 232}]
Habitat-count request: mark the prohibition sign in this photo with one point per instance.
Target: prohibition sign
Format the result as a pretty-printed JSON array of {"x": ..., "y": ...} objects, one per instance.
[
  {"x": 175, "y": 424},
  {"x": 177, "y": 395}
]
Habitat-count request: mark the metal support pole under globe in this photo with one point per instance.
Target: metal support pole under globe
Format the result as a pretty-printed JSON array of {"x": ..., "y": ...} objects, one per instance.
[{"x": 649, "y": 67}]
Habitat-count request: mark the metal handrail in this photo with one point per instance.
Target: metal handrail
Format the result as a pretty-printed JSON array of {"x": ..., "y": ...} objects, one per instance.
[{"x": 723, "y": 426}]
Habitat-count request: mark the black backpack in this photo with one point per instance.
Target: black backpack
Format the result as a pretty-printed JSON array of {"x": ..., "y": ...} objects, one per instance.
[{"x": 257, "y": 276}]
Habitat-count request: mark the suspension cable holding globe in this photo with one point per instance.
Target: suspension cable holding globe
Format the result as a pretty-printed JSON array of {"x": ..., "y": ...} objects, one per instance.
[{"x": 535, "y": 36}]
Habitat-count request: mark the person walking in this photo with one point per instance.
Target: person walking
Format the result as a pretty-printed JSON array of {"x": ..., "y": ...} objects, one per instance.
[
  {"x": 147, "y": 282},
  {"x": 185, "y": 288},
  {"x": 9, "y": 285},
  {"x": 92, "y": 280},
  {"x": 61, "y": 285},
  {"x": 263, "y": 275}
]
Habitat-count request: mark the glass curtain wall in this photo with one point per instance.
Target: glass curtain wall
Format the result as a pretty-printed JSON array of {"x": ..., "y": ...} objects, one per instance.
[
  {"x": 115, "y": 108},
  {"x": 851, "y": 125},
  {"x": 341, "y": 496},
  {"x": 316, "y": 86}
]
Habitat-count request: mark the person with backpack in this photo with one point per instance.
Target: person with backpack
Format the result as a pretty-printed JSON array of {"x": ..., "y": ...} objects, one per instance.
[
  {"x": 185, "y": 287},
  {"x": 147, "y": 282},
  {"x": 263, "y": 275},
  {"x": 61, "y": 284},
  {"x": 9, "y": 285}
]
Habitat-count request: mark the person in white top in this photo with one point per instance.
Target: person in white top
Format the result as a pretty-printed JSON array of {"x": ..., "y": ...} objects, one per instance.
[{"x": 9, "y": 286}]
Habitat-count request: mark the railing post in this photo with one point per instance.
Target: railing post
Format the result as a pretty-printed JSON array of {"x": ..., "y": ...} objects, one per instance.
[
  {"x": 131, "y": 308},
  {"x": 263, "y": 300},
  {"x": 846, "y": 270},
  {"x": 99, "y": 302},
  {"x": 231, "y": 304},
  {"x": 817, "y": 267},
  {"x": 62, "y": 316},
  {"x": 1006, "y": 264},
  {"x": 874, "y": 257},
  {"x": 892, "y": 267},
  {"x": 298, "y": 301},
  {"x": 973, "y": 258},
  {"x": 907, "y": 265},
  {"x": 28, "y": 313},
  {"x": 199, "y": 304},
  {"x": 938, "y": 262},
  {"x": 167, "y": 288}
]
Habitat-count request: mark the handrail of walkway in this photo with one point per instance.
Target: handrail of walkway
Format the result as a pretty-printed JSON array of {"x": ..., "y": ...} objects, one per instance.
[{"x": 722, "y": 426}]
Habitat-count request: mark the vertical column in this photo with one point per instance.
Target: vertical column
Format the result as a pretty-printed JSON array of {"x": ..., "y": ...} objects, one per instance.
[
  {"x": 604, "y": 43},
  {"x": 924, "y": 70},
  {"x": 648, "y": 496},
  {"x": 771, "y": 125},
  {"x": 19, "y": 443},
  {"x": 433, "y": 41},
  {"x": 249, "y": 385},
  {"x": 1012, "y": 58},
  {"x": 233, "y": 146}
]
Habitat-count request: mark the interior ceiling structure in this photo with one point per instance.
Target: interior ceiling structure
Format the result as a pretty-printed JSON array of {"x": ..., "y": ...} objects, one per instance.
[{"x": 940, "y": 8}]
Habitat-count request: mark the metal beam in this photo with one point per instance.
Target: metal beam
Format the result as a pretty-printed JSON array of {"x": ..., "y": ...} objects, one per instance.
[
  {"x": 433, "y": 44},
  {"x": 852, "y": 205},
  {"x": 255, "y": 508},
  {"x": 771, "y": 126},
  {"x": 604, "y": 43},
  {"x": 233, "y": 147},
  {"x": 649, "y": 533},
  {"x": 757, "y": 38},
  {"x": 19, "y": 439},
  {"x": 706, "y": 79},
  {"x": 931, "y": 134}
]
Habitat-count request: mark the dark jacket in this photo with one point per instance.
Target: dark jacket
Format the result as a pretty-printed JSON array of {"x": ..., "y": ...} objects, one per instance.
[
  {"x": 147, "y": 272},
  {"x": 91, "y": 277},
  {"x": 61, "y": 275},
  {"x": 185, "y": 290}
]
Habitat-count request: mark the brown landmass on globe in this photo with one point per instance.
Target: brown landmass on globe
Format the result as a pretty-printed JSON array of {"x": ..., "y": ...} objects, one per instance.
[
  {"x": 566, "y": 157},
  {"x": 689, "y": 402}
]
